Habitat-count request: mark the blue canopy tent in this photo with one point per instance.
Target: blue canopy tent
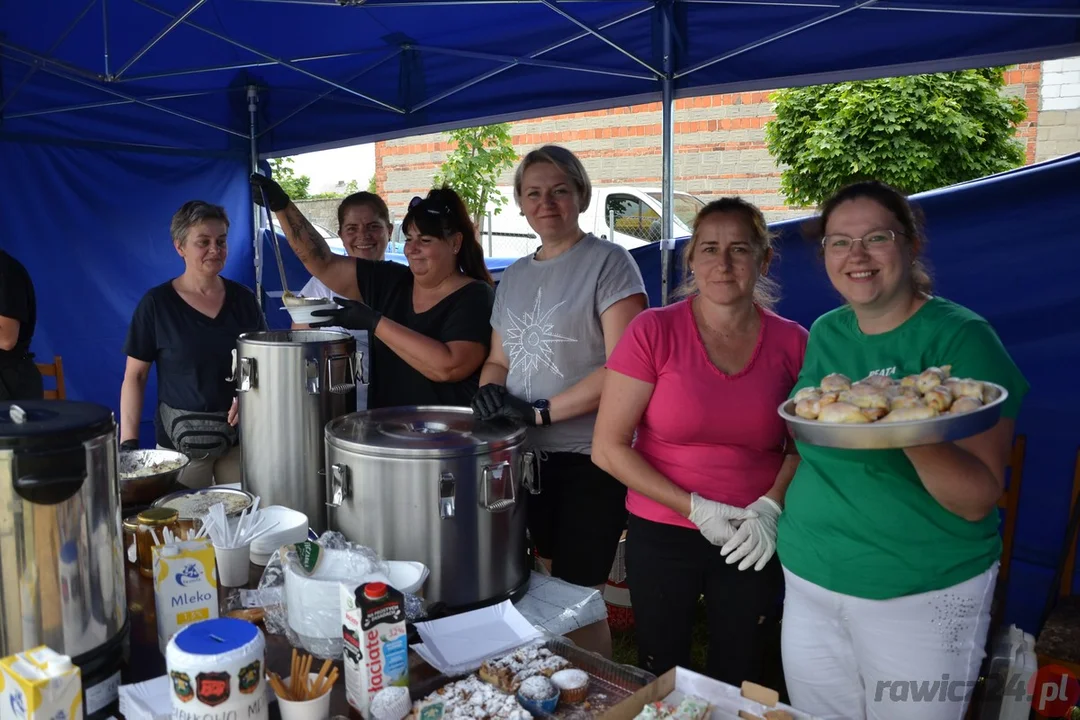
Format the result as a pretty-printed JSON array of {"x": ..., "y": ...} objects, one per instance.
[{"x": 114, "y": 112}]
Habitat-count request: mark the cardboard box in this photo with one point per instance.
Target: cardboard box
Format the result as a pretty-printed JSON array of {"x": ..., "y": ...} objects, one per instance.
[
  {"x": 40, "y": 684},
  {"x": 750, "y": 702}
]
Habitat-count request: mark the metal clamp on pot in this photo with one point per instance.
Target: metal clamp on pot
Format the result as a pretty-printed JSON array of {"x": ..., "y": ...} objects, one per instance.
[{"x": 437, "y": 486}]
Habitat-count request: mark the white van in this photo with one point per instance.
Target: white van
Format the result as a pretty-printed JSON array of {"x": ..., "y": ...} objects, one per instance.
[{"x": 629, "y": 216}]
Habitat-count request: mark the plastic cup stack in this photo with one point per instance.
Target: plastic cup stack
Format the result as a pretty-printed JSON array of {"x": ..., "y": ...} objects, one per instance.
[{"x": 232, "y": 545}]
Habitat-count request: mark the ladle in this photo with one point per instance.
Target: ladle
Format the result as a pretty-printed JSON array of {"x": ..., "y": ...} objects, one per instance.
[{"x": 285, "y": 294}]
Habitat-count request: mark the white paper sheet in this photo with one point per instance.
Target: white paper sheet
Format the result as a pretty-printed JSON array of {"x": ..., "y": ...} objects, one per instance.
[{"x": 468, "y": 639}]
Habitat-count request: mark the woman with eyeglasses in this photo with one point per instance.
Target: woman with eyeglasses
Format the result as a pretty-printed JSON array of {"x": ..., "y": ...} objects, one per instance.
[
  {"x": 890, "y": 557},
  {"x": 429, "y": 322},
  {"x": 364, "y": 228}
]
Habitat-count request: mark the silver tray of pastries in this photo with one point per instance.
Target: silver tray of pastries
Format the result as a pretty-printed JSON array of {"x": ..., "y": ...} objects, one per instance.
[{"x": 879, "y": 413}]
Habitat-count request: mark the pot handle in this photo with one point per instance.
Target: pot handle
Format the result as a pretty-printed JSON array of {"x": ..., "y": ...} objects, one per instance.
[
  {"x": 248, "y": 375},
  {"x": 343, "y": 387},
  {"x": 491, "y": 475},
  {"x": 447, "y": 495},
  {"x": 50, "y": 477},
  {"x": 530, "y": 471},
  {"x": 340, "y": 487}
]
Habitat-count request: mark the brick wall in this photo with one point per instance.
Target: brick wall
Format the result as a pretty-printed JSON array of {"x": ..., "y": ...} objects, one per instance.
[
  {"x": 719, "y": 145},
  {"x": 1059, "y": 119}
]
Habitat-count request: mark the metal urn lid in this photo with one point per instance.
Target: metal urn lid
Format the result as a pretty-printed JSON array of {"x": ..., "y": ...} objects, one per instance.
[
  {"x": 421, "y": 432},
  {"x": 51, "y": 423}
]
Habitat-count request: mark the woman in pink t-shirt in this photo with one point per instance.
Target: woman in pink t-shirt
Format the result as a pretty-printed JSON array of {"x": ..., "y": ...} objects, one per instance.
[{"x": 699, "y": 382}]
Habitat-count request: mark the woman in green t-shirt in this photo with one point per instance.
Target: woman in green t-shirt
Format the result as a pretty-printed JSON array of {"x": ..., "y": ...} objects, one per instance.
[{"x": 890, "y": 556}]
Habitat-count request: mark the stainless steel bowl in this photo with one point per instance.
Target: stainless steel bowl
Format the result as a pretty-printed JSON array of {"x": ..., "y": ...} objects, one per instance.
[
  {"x": 248, "y": 497},
  {"x": 894, "y": 435},
  {"x": 142, "y": 479}
]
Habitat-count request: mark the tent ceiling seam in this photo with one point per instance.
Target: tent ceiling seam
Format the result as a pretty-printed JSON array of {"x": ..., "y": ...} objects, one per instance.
[
  {"x": 131, "y": 98},
  {"x": 543, "y": 51},
  {"x": 305, "y": 106},
  {"x": 851, "y": 7},
  {"x": 279, "y": 61},
  {"x": 55, "y": 46},
  {"x": 553, "y": 5},
  {"x": 173, "y": 24},
  {"x": 531, "y": 61}
]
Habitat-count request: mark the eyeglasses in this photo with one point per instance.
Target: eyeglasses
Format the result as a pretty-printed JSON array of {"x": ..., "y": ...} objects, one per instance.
[{"x": 877, "y": 241}]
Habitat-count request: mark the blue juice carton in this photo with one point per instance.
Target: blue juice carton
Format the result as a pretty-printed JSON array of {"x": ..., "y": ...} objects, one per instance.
[{"x": 376, "y": 648}]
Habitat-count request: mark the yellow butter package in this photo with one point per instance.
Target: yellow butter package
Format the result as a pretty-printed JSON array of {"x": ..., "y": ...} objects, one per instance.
[
  {"x": 185, "y": 586},
  {"x": 40, "y": 684}
]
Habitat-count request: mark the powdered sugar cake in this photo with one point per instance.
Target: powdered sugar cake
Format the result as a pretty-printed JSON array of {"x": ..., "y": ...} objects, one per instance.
[
  {"x": 507, "y": 672},
  {"x": 469, "y": 699}
]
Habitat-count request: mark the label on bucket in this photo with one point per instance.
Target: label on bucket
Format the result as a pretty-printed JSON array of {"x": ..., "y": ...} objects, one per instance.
[{"x": 307, "y": 556}]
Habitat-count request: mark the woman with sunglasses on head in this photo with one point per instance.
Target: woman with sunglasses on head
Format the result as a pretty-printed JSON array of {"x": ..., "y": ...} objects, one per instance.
[
  {"x": 429, "y": 322},
  {"x": 890, "y": 556}
]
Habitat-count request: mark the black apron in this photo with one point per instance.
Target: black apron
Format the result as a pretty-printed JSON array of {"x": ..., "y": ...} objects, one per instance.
[{"x": 21, "y": 380}]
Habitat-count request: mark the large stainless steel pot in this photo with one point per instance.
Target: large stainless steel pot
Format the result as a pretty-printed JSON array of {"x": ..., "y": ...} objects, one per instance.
[
  {"x": 61, "y": 553},
  {"x": 290, "y": 384},
  {"x": 434, "y": 485}
]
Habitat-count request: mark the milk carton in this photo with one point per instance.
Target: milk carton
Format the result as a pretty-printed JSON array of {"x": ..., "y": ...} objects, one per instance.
[
  {"x": 185, "y": 586},
  {"x": 40, "y": 684},
  {"x": 376, "y": 652}
]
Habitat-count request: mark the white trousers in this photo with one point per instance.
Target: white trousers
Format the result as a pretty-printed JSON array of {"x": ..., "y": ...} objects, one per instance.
[{"x": 909, "y": 658}]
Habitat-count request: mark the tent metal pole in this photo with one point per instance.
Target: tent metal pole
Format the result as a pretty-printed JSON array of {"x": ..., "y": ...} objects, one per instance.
[
  {"x": 667, "y": 133},
  {"x": 256, "y": 240}
]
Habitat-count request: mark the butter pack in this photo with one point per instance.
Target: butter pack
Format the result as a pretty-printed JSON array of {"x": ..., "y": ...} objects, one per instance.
[
  {"x": 185, "y": 586},
  {"x": 40, "y": 684}
]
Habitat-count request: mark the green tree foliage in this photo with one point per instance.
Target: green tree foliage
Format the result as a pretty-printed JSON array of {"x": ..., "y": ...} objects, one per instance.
[
  {"x": 372, "y": 187},
  {"x": 474, "y": 166},
  {"x": 296, "y": 186},
  {"x": 916, "y": 133}
]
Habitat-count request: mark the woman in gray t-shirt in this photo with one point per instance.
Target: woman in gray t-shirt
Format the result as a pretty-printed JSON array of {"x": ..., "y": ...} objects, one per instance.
[{"x": 558, "y": 313}]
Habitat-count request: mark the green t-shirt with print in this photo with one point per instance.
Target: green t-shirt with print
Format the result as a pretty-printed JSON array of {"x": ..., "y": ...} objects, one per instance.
[{"x": 860, "y": 522}]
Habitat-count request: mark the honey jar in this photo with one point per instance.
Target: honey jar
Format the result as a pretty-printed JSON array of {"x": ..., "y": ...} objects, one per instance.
[{"x": 152, "y": 524}]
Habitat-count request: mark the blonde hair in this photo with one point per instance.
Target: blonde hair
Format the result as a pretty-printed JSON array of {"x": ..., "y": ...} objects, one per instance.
[
  {"x": 766, "y": 290},
  {"x": 563, "y": 159}
]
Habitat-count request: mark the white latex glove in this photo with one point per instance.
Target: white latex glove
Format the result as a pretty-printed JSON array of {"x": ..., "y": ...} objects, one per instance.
[
  {"x": 714, "y": 519},
  {"x": 755, "y": 540}
]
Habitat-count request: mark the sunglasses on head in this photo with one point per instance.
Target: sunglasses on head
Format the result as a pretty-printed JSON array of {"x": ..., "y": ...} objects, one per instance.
[{"x": 444, "y": 210}]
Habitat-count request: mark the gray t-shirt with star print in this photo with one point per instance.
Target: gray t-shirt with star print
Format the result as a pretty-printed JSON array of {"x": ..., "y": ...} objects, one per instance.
[{"x": 547, "y": 313}]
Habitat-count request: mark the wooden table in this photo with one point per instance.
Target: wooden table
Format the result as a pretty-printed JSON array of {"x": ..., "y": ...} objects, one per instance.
[{"x": 146, "y": 661}]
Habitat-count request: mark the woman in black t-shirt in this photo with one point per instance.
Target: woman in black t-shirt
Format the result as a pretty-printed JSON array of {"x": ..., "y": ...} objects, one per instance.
[
  {"x": 189, "y": 326},
  {"x": 429, "y": 322}
]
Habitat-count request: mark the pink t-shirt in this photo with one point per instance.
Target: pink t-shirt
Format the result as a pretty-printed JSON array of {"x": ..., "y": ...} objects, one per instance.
[{"x": 714, "y": 434}]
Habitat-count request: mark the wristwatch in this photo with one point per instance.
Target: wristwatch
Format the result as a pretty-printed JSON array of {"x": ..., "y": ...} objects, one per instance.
[{"x": 544, "y": 407}]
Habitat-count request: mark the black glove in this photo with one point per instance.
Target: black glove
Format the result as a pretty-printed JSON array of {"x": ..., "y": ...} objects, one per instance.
[
  {"x": 129, "y": 445},
  {"x": 274, "y": 194},
  {"x": 352, "y": 315},
  {"x": 493, "y": 401}
]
